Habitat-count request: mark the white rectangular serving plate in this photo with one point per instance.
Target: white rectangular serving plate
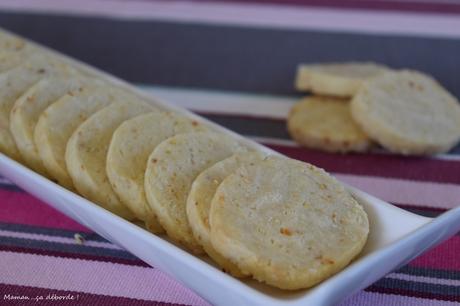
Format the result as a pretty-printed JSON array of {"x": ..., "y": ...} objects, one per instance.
[{"x": 396, "y": 236}]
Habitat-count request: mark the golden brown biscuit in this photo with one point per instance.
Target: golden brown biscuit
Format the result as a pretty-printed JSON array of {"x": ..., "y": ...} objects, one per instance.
[
  {"x": 336, "y": 79},
  {"x": 287, "y": 223},
  {"x": 408, "y": 112},
  {"x": 132, "y": 143},
  {"x": 326, "y": 124},
  {"x": 171, "y": 169}
]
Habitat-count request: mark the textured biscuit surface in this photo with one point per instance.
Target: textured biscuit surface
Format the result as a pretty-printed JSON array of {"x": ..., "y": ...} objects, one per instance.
[
  {"x": 13, "y": 83},
  {"x": 171, "y": 169},
  {"x": 14, "y": 51},
  {"x": 11, "y": 43},
  {"x": 336, "y": 79},
  {"x": 287, "y": 223},
  {"x": 58, "y": 122},
  {"x": 326, "y": 123},
  {"x": 408, "y": 112},
  {"x": 9, "y": 59},
  {"x": 86, "y": 154},
  {"x": 199, "y": 203},
  {"x": 27, "y": 109},
  {"x": 132, "y": 143}
]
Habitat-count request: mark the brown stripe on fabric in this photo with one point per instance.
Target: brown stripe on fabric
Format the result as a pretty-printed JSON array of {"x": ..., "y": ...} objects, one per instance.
[
  {"x": 418, "y": 286},
  {"x": 249, "y": 125},
  {"x": 243, "y": 116},
  {"x": 68, "y": 297},
  {"x": 65, "y": 247},
  {"x": 54, "y": 253},
  {"x": 429, "y": 272},
  {"x": 431, "y": 212},
  {"x": 11, "y": 187},
  {"x": 382, "y": 165},
  {"x": 437, "y": 210}
]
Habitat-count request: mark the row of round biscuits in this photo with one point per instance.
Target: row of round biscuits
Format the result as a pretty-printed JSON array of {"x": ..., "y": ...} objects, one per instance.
[
  {"x": 257, "y": 215},
  {"x": 404, "y": 111}
]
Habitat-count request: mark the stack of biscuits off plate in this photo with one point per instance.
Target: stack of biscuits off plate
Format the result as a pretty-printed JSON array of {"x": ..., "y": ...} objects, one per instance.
[
  {"x": 355, "y": 105},
  {"x": 281, "y": 221}
]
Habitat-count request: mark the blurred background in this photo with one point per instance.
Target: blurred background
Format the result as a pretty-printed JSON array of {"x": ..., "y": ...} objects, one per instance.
[{"x": 247, "y": 46}]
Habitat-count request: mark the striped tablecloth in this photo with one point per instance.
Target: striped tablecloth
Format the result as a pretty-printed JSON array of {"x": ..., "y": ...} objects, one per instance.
[{"x": 233, "y": 62}]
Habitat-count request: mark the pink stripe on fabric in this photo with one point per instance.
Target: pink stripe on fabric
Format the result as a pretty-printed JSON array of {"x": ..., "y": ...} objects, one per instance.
[
  {"x": 65, "y": 240},
  {"x": 446, "y": 256},
  {"x": 379, "y": 299},
  {"x": 424, "y": 279},
  {"x": 93, "y": 277},
  {"x": 407, "y": 192},
  {"x": 20, "y": 207},
  {"x": 254, "y": 15}
]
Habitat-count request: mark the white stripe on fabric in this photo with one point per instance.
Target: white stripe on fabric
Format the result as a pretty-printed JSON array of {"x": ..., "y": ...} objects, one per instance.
[
  {"x": 221, "y": 102},
  {"x": 430, "y": 194}
]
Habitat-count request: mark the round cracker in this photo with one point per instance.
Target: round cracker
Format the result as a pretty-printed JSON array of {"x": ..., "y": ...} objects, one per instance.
[
  {"x": 87, "y": 150},
  {"x": 27, "y": 109},
  {"x": 57, "y": 123},
  {"x": 326, "y": 123},
  {"x": 408, "y": 112},
  {"x": 286, "y": 222},
  {"x": 171, "y": 169},
  {"x": 13, "y": 83},
  {"x": 132, "y": 143},
  {"x": 199, "y": 203},
  {"x": 336, "y": 79}
]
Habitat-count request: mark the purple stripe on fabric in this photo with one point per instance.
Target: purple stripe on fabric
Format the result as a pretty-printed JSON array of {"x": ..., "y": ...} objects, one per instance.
[
  {"x": 416, "y": 294},
  {"x": 44, "y": 296},
  {"x": 380, "y": 299},
  {"x": 93, "y": 277}
]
